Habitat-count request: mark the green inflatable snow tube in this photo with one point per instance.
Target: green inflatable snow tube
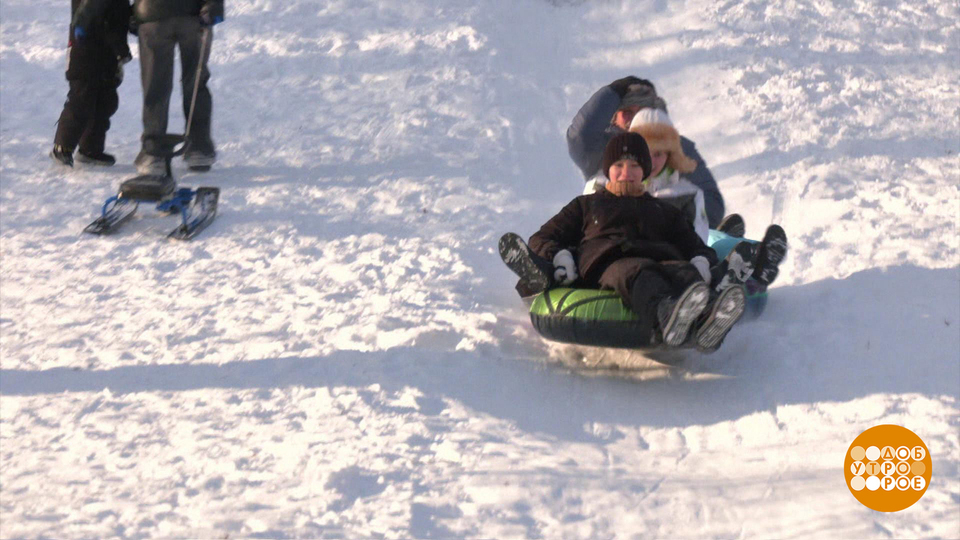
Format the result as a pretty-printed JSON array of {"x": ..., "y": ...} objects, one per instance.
[
  {"x": 588, "y": 317},
  {"x": 598, "y": 317}
]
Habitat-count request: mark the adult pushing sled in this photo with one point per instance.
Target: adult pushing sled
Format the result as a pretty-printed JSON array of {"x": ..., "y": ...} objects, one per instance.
[{"x": 197, "y": 208}]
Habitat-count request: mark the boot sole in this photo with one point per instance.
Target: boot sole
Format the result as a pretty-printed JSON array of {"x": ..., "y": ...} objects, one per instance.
[
  {"x": 773, "y": 250},
  {"x": 199, "y": 161},
  {"x": 88, "y": 161},
  {"x": 733, "y": 226},
  {"x": 726, "y": 311},
  {"x": 516, "y": 255},
  {"x": 58, "y": 161},
  {"x": 689, "y": 306}
]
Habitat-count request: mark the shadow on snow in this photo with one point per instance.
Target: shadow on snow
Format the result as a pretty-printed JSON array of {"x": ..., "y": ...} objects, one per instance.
[{"x": 890, "y": 331}]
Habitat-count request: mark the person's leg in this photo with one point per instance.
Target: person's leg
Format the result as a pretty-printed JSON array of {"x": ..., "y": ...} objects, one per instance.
[
  {"x": 689, "y": 296},
  {"x": 193, "y": 56},
  {"x": 655, "y": 293},
  {"x": 681, "y": 274},
  {"x": 156, "y": 76},
  {"x": 91, "y": 149},
  {"x": 81, "y": 100},
  {"x": 621, "y": 276}
]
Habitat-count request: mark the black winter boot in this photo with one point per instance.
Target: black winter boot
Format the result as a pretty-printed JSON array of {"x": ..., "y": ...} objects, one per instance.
[
  {"x": 725, "y": 311},
  {"x": 773, "y": 250},
  {"x": 62, "y": 155},
  {"x": 101, "y": 159},
  {"x": 733, "y": 225},
  {"x": 534, "y": 272},
  {"x": 676, "y": 315},
  {"x": 736, "y": 268}
]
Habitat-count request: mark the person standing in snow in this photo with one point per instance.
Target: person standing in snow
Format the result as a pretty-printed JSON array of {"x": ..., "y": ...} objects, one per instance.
[
  {"x": 639, "y": 246},
  {"x": 162, "y": 26},
  {"x": 609, "y": 112},
  {"x": 97, "y": 52}
]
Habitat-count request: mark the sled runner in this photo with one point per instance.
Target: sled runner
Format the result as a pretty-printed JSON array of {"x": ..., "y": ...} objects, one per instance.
[{"x": 197, "y": 208}]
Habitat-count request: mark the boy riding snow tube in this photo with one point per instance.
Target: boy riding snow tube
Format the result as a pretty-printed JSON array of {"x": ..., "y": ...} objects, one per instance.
[{"x": 643, "y": 250}]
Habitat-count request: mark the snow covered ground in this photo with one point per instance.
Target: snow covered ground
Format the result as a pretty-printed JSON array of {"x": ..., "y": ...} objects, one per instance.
[{"x": 341, "y": 354}]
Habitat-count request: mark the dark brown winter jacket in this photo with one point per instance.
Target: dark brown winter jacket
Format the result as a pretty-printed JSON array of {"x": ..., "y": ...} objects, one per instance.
[
  {"x": 603, "y": 228},
  {"x": 158, "y": 10}
]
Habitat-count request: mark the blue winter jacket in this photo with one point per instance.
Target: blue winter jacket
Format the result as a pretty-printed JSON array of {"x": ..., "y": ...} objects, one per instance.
[{"x": 591, "y": 129}]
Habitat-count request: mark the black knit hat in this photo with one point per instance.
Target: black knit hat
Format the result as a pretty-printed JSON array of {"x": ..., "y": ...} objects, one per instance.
[{"x": 627, "y": 145}]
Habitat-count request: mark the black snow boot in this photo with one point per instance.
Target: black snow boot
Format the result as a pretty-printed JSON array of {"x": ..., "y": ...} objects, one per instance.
[
  {"x": 736, "y": 268},
  {"x": 725, "y": 311},
  {"x": 677, "y": 315},
  {"x": 200, "y": 161},
  {"x": 101, "y": 159},
  {"x": 733, "y": 225},
  {"x": 62, "y": 155},
  {"x": 534, "y": 271},
  {"x": 773, "y": 250}
]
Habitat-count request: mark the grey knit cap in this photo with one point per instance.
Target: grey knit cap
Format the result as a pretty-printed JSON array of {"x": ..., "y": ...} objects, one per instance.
[{"x": 643, "y": 96}]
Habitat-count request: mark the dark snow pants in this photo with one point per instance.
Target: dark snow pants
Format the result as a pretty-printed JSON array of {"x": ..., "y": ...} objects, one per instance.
[
  {"x": 158, "y": 40},
  {"x": 91, "y": 101},
  {"x": 643, "y": 283}
]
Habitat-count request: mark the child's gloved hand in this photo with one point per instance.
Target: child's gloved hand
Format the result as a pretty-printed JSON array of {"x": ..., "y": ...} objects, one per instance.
[{"x": 565, "y": 270}]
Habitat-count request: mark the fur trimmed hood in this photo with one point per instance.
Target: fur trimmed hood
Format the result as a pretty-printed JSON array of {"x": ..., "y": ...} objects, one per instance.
[{"x": 657, "y": 129}]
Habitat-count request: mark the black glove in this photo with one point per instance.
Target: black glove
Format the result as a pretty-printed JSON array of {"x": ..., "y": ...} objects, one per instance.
[
  {"x": 620, "y": 86},
  {"x": 133, "y": 26}
]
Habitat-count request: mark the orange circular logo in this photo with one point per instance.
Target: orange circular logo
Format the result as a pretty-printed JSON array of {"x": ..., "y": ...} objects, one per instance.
[{"x": 888, "y": 468}]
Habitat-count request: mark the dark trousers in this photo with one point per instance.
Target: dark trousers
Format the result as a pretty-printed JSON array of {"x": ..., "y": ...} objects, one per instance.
[
  {"x": 158, "y": 40},
  {"x": 86, "y": 115},
  {"x": 643, "y": 283}
]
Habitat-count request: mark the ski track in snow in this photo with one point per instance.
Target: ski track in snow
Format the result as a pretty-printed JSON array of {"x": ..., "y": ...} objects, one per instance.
[{"x": 341, "y": 354}]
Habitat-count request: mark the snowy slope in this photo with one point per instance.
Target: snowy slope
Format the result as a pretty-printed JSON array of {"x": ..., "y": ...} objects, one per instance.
[{"x": 341, "y": 354}]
